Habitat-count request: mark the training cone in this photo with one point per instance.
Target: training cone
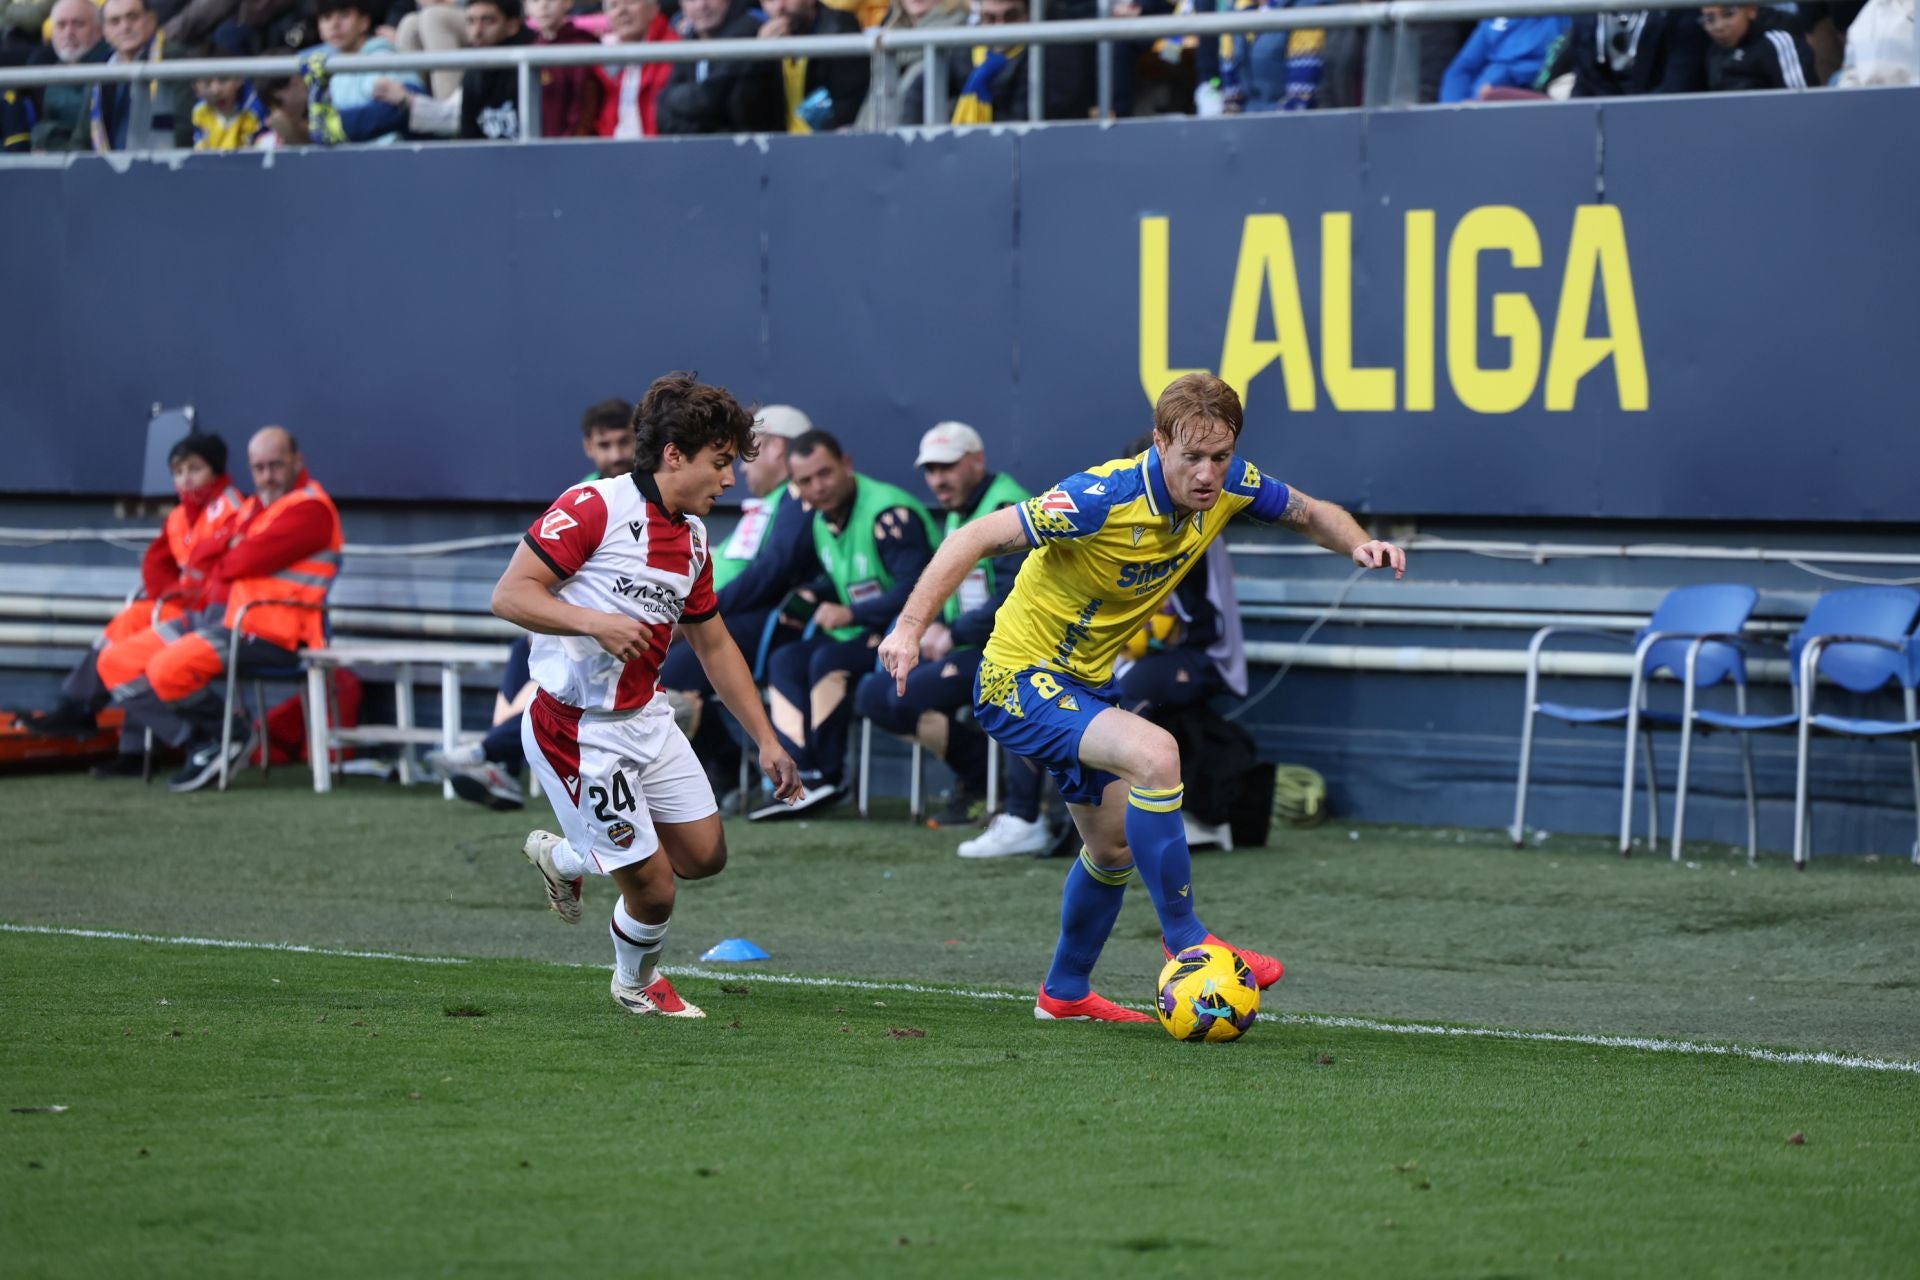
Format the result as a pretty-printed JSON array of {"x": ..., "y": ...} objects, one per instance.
[{"x": 734, "y": 949}]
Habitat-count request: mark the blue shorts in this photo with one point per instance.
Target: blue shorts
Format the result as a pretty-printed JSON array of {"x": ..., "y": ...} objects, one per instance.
[{"x": 1042, "y": 715}]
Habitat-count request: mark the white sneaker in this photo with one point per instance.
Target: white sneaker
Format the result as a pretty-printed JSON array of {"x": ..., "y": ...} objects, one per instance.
[
  {"x": 1007, "y": 837},
  {"x": 814, "y": 798},
  {"x": 1200, "y": 835},
  {"x": 563, "y": 895},
  {"x": 484, "y": 783},
  {"x": 659, "y": 999}
]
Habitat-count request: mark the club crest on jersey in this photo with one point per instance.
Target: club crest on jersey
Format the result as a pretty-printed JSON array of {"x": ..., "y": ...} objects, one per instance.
[
  {"x": 1138, "y": 533},
  {"x": 1068, "y": 704},
  {"x": 621, "y": 833},
  {"x": 555, "y": 523}
]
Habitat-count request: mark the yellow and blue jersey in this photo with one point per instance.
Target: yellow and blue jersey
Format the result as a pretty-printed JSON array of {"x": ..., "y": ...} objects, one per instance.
[{"x": 1109, "y": 549}]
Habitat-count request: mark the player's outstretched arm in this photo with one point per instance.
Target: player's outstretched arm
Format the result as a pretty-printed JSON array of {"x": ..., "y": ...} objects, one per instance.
[
  {"x": 524, "y": 596},
  {"x": 996, "y": 535},
  {"x": 1329, "y": 524},
  {"x": 733, "y": 681}
]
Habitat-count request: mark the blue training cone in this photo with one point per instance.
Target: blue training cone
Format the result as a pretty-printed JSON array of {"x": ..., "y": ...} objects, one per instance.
[{"x": 734, "y": 949}]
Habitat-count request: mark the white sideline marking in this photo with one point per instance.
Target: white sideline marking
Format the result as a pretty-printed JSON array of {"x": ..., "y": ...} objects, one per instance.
[
  {"x": 117, "y": 936},
  {"x": 1647, "y": 1044}
]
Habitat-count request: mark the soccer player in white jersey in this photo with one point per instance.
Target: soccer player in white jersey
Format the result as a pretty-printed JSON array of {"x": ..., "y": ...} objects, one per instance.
[{"x": 601, "y": 579}]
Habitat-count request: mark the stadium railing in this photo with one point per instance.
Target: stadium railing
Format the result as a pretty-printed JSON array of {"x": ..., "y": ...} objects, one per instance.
[{"x": 1391, "y": 69}]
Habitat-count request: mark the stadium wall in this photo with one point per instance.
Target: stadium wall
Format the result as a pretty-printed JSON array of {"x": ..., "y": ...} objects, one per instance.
[{"x": 1686, "y": 309}]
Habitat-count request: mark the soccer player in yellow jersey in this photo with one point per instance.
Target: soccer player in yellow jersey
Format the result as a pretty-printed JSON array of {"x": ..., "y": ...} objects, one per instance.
[{"x": 1109, "y": 545}]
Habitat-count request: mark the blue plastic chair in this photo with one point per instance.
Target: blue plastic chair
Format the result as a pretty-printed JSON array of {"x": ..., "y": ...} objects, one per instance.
[
  {"x": 1862, "y": 643},
  {"x": 1685, "y": 613},
  {"x": 1859, "y": 639}
]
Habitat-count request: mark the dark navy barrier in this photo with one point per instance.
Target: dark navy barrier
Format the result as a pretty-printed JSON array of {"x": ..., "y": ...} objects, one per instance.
[{"x": 1691, "y": 309}]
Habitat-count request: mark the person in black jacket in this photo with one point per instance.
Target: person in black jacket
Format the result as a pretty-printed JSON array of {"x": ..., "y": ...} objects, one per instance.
[
  {"x": 1069, "y": 72},
  {"x": 490, "y": 99},
  {"x": 1634, "y": 52},
  {"x": 1754, "y": 50},
  {"x": 721, "y": 97},
  {"x": 819, "y": 93}
]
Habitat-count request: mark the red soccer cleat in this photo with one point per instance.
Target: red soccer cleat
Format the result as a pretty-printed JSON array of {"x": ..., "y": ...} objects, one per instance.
[
  {"x": 1265, "y": 969},
  {"x": 1088, "y": 1008}
]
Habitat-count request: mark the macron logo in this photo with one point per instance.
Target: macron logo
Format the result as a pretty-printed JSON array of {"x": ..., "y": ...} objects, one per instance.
[
  {"x": 555, "y": 523},
  {"x": 1097, "y": 488},
  {"x": 572, "y": 785}
]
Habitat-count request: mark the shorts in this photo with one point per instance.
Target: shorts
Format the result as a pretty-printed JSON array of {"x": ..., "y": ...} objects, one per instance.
[
  {"x": 1042, "y": 715},
  {"x": 611, "y": 778}
]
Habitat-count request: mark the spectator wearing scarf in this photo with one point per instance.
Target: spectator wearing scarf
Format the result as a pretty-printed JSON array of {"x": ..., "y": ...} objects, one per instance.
[{"x": 144, "y": 115}]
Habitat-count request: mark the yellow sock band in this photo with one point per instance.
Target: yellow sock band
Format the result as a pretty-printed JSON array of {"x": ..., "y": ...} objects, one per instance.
[
  {"x": 1105, "y": 875},
  {"x": 1153, "y": 801}
]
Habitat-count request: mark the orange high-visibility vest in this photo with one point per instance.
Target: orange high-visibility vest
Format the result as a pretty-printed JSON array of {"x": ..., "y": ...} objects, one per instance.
[{"x": 307, "y": 581}]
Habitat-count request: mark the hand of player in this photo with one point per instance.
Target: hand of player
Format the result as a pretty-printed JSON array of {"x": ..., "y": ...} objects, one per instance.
[
  {"x": 1378, "y": 555},
  {"x": 900, "y": 653},
  {"x": 778, "y": 766},
  {"x": 832, "y": 614},
  {"x": 774, "y": 28},
  {"x": 623, "y": 637}
]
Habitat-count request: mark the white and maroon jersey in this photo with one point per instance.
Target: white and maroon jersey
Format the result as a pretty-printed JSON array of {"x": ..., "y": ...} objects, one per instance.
[{"x": 618, "y": 551}]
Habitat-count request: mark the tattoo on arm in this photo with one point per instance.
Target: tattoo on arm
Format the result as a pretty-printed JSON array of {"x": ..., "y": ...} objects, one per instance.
[{"x": 1295, "y": 516}]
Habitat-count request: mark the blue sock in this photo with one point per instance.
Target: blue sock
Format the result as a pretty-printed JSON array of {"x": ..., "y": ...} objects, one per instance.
[
  {"x": 1159, "y": 842},
  {"x": 1089, "y": 904}
]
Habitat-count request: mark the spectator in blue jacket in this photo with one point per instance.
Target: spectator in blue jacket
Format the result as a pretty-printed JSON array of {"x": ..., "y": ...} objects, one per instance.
[{"x": 1502, "y": 53}]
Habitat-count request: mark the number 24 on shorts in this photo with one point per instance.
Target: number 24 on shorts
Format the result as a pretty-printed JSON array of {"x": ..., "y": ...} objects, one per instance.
[{"x": 622, "y": 798}]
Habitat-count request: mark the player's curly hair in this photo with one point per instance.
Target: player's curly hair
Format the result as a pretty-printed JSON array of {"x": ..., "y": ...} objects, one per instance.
[
  {"x": 1190, "y": 401},
  {"x": 682, "y": 411}
]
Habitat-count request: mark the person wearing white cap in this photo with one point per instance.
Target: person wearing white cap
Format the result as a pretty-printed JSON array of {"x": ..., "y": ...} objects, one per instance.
[
  {"x": 953, "y": 459},
  {"x": 752, "y": 575}
]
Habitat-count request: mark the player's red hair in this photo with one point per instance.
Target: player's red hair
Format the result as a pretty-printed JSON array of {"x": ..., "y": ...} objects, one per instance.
[{"x": 1194, "y": 401}]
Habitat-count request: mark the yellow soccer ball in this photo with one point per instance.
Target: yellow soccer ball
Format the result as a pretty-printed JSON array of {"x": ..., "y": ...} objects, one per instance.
[{"x": 1207, "y": 993}]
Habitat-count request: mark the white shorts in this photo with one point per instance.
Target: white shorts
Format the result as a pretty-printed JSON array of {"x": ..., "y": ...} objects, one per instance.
[{"x": 610, "y": 779}]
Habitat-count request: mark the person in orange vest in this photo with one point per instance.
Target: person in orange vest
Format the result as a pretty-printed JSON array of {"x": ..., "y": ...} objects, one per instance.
[
  {"x": 169, "y": 588},
  {"x": 270, "y": 583}
]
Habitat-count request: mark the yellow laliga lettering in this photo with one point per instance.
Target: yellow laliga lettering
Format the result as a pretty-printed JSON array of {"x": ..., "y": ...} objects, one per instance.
[
  {"x": 1154, "y": 373},
  {"x": 1500, "y": 390},
  {"x": 1351, "y": 389},
  {"x": 1266, "y": 270},
  {"x": 1598, "y": 247},
  {"x": 1045, "y": 684},
  {"x": 1418, "y": 356}
]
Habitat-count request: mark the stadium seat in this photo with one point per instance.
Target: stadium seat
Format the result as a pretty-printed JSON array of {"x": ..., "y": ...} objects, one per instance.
[
  {"x": 1860, "y": 640},
  {"x": 258, "y": 675},
  {"x": 1685, "y": 613}
]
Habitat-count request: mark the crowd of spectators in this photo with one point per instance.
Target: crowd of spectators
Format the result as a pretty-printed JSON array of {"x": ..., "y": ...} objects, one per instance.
[{"x": 1719, "y": 47}]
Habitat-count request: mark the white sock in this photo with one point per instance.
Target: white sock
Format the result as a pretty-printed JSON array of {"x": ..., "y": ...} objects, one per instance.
[
  {"x": 569, "y": 864},
  {"x": 636, "y": 947}
]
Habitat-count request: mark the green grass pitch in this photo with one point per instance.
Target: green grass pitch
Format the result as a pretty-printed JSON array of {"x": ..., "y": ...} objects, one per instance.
[{"x": 268, "y": 1112}]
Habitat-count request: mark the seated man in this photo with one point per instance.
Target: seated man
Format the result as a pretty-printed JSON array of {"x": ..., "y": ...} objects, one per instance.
[
  {"x": 870, "y": 541},
  {"x": 76, "y": 38},
  {"x": 147, "y": 115},
  {"x": 954, "y": 461},
  {"x": 288, "y": 549},
  {"x": 720, "y": 97},
  {"x": 754, "y": 571},
  {"x": 821, "y": 93},
  {"x": 631, "y": 92},
  {"x": 1503, "y": 53},
  {"x": 170, "y": 587},
  {"x": 988, "y": 84},
  {"x": 488, "y": 772}
]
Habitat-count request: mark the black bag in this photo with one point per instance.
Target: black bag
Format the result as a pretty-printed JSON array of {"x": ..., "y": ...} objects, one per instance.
[{"x": 1216, "y": 757}]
